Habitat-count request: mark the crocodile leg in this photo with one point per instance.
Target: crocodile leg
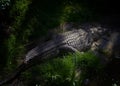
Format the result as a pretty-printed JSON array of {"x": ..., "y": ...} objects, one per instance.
[{"x": 68, "y": 48}]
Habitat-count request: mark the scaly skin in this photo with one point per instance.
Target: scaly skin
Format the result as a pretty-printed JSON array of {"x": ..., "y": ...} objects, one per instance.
[{"x": 76, "y": 40}]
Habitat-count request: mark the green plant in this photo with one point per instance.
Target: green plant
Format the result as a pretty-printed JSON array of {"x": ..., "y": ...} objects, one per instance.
[
  {"x": 55, "y": 72},
  {"x": 63, "y": 71},
  {"x": 89, "y": 65},
  {"x": 4, "y": 4},
  {"x": 14, "y": 44}
]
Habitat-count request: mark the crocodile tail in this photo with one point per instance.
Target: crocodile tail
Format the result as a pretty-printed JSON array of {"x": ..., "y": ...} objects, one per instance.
[{"x": 13, "y": 76}]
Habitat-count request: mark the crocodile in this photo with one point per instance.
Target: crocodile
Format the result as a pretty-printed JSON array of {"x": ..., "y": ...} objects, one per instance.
[{"x": 76, "y": 40}]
